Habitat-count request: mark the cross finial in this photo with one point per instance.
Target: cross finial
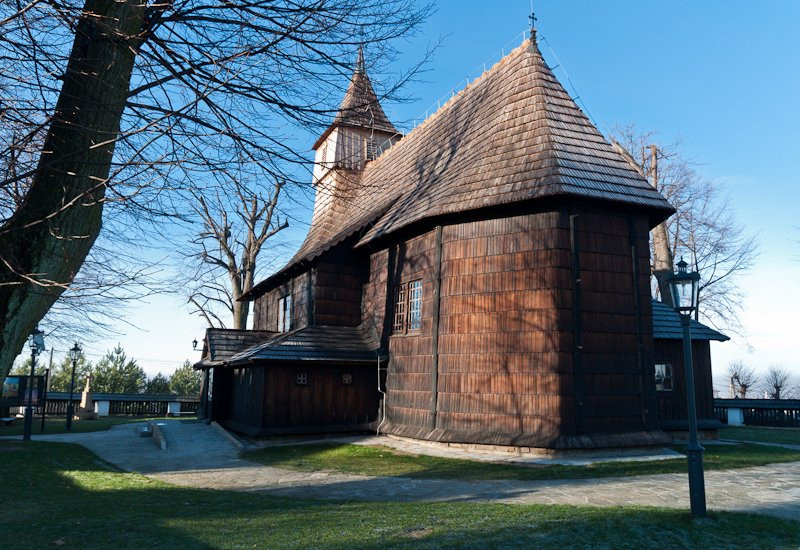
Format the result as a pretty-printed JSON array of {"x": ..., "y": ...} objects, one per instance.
[
  {"x": 532, "y": 19},
  {"x": 360, "y": 59}
]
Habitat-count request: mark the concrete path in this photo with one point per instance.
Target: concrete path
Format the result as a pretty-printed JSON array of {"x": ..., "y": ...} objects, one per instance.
[{"x": 201, "y": 456}]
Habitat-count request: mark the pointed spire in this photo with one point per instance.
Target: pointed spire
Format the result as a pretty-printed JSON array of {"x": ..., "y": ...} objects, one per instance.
[
  {"x": 360, "y": 107},
  {"x": 360, "y": 60}
]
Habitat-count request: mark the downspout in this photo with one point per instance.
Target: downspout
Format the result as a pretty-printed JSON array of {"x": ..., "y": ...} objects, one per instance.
[
  {"x": 383, "y": 393},
  {"x": 437, "y": 291}
]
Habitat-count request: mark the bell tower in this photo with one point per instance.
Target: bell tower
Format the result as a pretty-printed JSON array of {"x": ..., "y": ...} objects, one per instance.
[{"x": 359, "y": 133}]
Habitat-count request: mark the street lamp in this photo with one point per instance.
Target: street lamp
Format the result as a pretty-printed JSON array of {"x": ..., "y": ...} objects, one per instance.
[
  {"x": 74, "y": 355},
  {"x": 683, "y": 286},
  {"x": 36, "y": 343}
]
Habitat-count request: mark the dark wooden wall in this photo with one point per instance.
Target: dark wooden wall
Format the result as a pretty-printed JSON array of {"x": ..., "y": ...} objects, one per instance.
[
  {"x": 509, "y": 369},
  {"x": 615, "y": 362},
  {"x": 325, "y": 402},
  {"x": 408, "y": 377},
  {"x": 246, "y": 396},
  {"x": 265, "y": 308},
  {"x": 266, "y": 399},
  {"x": 504, "y": 355},
  {"x": 337, "y": 289},
  {"x": 327, "y": 294},
  {"x": 672, "y": 408}
]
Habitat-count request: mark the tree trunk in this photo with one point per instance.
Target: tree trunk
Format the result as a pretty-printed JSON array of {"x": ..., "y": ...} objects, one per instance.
[
  {"x": 241, "y": 310},
  {"x": 44, "y": 244},
  {"x": 662, "y": 254}
]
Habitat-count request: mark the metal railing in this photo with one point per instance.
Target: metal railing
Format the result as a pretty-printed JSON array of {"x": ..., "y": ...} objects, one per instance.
[
  {"x": 124, "y": 403},
  {"x": 760, "y": 412}
]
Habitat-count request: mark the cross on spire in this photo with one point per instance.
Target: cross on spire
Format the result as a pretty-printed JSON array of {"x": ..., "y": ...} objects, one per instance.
[{"x": 532, "y": 19}]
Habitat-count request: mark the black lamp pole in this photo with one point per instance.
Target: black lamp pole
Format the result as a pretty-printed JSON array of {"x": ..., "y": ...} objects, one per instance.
[
  {"x": 694, "y": 451},
  {"x": 684, "y": 288},
  {"x": 74, "y": 354},
  {"x": 37, "y": 345}
]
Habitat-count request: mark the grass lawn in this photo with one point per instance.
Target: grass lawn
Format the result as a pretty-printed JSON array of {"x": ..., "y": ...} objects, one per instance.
[
  {"x": 56, "y": 425},
  {"x": 762, "y": 434},
  {"x": 383, "y": 461},
  {"x": 60, "y": 494}
]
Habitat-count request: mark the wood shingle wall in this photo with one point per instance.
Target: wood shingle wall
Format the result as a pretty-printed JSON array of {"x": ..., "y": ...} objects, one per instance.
[{"x": 515, "y": 365}]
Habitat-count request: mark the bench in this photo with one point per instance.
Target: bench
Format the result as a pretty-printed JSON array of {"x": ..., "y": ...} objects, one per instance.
[{"x": 8, "y": 421}]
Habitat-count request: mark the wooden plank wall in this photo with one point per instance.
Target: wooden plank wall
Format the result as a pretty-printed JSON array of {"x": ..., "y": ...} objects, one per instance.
[
  {"x": 328, "y": 294},
  {"x": 373, "y": 301},
  {"x": 504, "y": 363},
  {"x": 507, "y": 347},
  {"x": 616, "y": 383},
  {"x": 265, "y": 308},
  {"x": 246, "y": 400},
  {"x": 337, "y": 289},
  {"x": 326, "y": 401},
  {"x": 408, "y": 375},
  {"x": 672, "y": 404}
]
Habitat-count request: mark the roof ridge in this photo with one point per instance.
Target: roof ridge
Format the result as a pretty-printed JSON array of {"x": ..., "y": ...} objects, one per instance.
[
  {"x": 446, "y": 106},
  {"x": 511, "y": 135}
]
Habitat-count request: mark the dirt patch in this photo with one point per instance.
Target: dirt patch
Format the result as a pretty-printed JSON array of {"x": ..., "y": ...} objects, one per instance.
[{"x": 417, "y": 532}]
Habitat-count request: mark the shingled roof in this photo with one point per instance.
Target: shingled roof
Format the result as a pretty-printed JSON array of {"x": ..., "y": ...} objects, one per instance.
[
  {"x": 667, "y": 326},
  {"x": 512, "y": 135},
  {"x": 222, "y": 344},
  {"x": 316, "y": 343},
  {"x": 360, "y": 106}
]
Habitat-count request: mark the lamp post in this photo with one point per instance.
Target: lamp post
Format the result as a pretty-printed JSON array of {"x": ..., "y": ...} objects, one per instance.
[
  {"x": 74, "y": 354},
  {"x": 36, "y": 344},
  {"x": 684, "y": 286}
]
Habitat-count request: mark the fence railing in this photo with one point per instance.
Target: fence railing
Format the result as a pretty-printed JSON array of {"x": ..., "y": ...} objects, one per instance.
[
  {"x": 125, "y": 404},
  {"x": 758, "y": 412}
]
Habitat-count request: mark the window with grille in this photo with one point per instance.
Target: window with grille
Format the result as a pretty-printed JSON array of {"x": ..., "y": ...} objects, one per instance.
[
  {"x": 399, "y": 308},
  {"x": 285, "y": 313},
  {"x": 663, "y": 377},
  {"x": 407, "y": 307},
  {"x": 301, "y": 379}
]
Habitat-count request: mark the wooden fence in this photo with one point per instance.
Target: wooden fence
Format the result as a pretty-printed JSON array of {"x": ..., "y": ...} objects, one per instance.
[
  {"x": 125, "y": 404},
  {"x": 758, "y": 412}
]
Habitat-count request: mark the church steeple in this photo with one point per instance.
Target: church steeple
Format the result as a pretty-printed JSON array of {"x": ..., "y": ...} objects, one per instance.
[
  {"x": 360, "y": 132},
  {"x": 360, "y": 61}
]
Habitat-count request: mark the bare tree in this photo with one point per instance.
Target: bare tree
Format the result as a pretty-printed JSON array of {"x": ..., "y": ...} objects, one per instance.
[
  {"x": 124, "y": 106},
  {"x": 661, "y": 254},
  {"x": 704, "y": 231},
  {"x": 237, "y": 223},
  {"x": 777, "y": 382},
  {"x": 742, "y": 378}
]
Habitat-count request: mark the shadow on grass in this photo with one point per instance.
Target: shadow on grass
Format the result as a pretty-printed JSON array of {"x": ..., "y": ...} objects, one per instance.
[
  {"x": 384, "y": 461},
  {"x": 61, "y": 492}
]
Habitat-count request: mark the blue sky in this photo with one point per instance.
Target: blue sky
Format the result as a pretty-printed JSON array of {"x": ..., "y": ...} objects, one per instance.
[{"x": 720, "y": 76}]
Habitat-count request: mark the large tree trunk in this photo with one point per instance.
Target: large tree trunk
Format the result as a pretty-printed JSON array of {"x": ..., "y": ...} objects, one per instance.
[
  {"x": 44, "y": 244},
  {"x": 663, "y": 265}
]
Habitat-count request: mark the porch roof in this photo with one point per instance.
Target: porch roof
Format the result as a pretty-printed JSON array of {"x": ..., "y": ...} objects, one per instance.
[{"x": 667, "y": 326}]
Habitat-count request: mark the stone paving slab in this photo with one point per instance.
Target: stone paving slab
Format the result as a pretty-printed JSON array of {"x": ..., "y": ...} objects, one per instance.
[{"x": 199, "y": 456}]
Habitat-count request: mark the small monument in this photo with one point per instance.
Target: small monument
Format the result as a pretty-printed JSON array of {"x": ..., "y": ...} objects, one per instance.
[{"x": 86, "y": 409}]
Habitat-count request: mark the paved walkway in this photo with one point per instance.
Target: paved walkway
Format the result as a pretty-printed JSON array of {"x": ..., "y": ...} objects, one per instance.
[{"x": 201, "y": 456}]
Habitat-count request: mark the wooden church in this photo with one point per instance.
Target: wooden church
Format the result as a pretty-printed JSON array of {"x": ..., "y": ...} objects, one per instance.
[{"x": 483, "y": 279}]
